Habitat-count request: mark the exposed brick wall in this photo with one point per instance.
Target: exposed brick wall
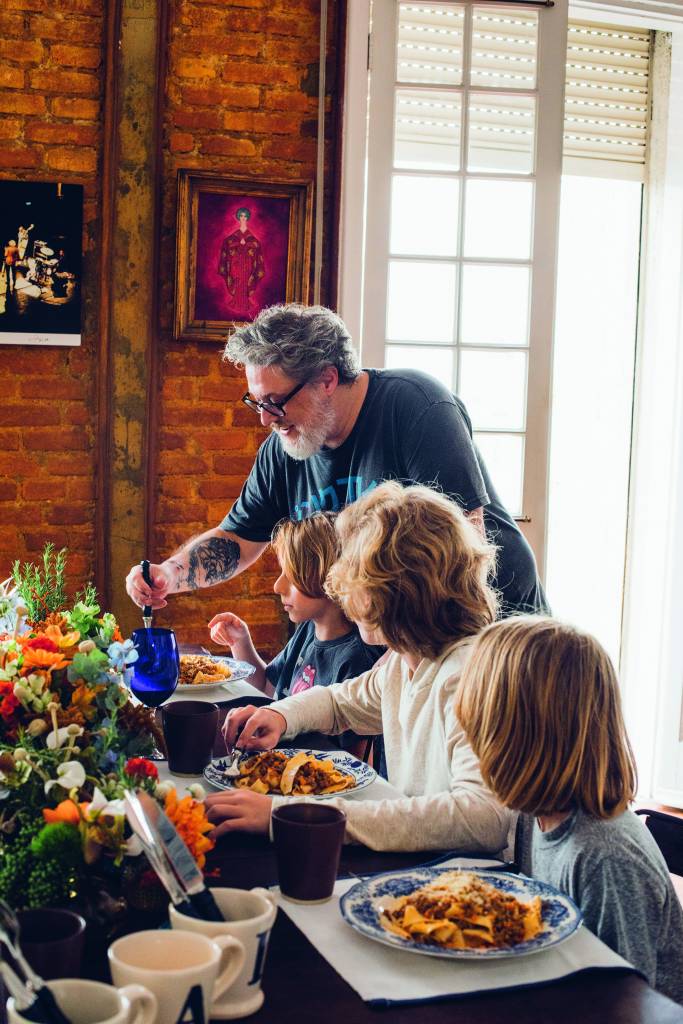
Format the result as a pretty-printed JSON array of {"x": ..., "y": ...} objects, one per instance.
[
  {"x": 241, "y": 99},
  {"x": 51, "y": 87}
]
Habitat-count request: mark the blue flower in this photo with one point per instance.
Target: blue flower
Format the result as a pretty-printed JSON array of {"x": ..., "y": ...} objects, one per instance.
[{"x": 121, "y": 654}]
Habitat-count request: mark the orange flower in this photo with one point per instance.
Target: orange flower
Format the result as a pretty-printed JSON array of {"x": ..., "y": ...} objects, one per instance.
[
  {"x": 82, "y": 698},
  {"x": 38, "y": 658},
  {"x": 62, "y": 640},
  {"x": 189, "y": 818},
  {"x": 67, "y": 811}
]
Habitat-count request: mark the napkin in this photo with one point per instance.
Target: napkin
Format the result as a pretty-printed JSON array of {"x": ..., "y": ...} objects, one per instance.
[{"x": 383, "y": 976}]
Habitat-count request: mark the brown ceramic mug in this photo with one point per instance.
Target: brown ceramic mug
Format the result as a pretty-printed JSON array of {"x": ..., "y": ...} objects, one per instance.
[
  {"x": 189, "y": 732},
  {"x": 51, "y": 939},
  {"x": 308, "y": 840}
]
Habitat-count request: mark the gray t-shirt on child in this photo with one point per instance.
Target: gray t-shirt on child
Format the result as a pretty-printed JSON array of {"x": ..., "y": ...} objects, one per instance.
[{"x": 616, "y": 874}]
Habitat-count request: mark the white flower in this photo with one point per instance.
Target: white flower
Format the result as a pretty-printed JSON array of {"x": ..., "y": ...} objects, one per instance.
[
  {"x": 197, "y": 791},
  {"x": 100, "y": 805},
  {"x": 163, "y": 789},
  {"x": 70, "y": 775},
  {"x": 58, "y": 739}
]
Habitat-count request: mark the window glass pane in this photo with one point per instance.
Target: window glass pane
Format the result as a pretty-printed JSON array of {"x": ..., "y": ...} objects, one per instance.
[
  {"x": 501, "y": 133},
  {"x": 430, "y": 43},
  {"x": 424, "y": 216},
  {"x": 495, "y": 305},
  {"x": 498, "y": 219},
  {"x": 437, "y": 361},
  {"x": 593, "y": 379},
  {"x": 421, "y": 301},
  {"x": 504, "y": 458},
  {"x": 427, "y": 130},
  {"x": 504, "y": 43},
  {"x": 493, "y": 387}
]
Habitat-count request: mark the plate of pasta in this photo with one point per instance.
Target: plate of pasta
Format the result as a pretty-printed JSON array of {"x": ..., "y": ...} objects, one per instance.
[
  {"x": 289, "y": 771},
  {"x": 202, "y": 672},
  {"x": 460, "y": 915}
]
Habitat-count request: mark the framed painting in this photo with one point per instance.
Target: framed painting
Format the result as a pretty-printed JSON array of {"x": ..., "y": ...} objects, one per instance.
[
  {"x": 242, "y": 244},
  {"x": 41, "y": 223}
]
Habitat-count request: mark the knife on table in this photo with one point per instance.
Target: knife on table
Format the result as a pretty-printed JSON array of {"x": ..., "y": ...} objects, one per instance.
[{"x": 179, "y": 857}]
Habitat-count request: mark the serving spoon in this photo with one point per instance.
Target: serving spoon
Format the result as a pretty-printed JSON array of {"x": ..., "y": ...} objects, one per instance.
[{"x": 147, "y": 610}]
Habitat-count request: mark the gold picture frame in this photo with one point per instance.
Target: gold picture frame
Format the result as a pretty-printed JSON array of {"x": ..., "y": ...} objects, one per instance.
[{"x": 242, "y": 244}]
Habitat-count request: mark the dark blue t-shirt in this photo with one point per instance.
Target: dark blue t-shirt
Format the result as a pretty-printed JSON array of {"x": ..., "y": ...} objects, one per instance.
[
  {"x": 306, "y": 661},
  {"x": 410, "y": 428}
]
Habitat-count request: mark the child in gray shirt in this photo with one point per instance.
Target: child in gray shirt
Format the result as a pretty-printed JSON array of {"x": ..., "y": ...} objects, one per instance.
[{"x": 539, "y": 702}]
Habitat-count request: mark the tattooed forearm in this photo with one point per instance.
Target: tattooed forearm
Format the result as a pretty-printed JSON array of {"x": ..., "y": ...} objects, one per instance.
[{"x": 212, "y": 561}]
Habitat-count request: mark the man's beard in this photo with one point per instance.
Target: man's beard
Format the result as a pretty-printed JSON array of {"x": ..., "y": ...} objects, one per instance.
[{"x": 311, "y": 436}]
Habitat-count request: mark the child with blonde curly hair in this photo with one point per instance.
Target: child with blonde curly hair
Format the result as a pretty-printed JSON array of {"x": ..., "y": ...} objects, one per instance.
[
  {"x": 413, "y": 575},
  {"x": 539, "y": 701}
]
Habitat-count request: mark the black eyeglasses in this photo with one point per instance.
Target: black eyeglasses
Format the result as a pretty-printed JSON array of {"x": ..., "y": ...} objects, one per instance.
[{"x": 272, "y": 408}]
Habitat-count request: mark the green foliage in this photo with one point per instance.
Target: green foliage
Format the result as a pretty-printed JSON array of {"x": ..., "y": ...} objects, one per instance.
[
  {"x": 83, "y": 617},
  {"x": 92, "y": 667},
  {"x": 42, "y": 589}
]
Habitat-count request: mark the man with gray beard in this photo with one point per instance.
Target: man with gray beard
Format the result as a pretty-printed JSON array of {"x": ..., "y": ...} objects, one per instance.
[{"x": 336, "y": 432}]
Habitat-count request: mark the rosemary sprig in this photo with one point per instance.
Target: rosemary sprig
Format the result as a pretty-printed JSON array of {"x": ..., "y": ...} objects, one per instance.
[{"x": 42, "y": 589}]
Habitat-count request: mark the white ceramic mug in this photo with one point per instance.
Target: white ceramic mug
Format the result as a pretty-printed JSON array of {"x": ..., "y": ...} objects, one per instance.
[
  {"x": 249, "y": 917},
  {"x": 185, "y": 972},
  {"x": 92, "y": 1002}
]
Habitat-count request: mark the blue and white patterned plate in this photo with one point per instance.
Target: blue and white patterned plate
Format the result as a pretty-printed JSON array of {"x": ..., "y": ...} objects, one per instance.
[
  {"x": 359, "y": 908},
  {"x": 238, "y": 670},
  {"x": 362, "y": 772}
]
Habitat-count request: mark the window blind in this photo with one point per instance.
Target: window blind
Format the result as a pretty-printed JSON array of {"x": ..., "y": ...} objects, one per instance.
[{"x": 607, "y": 91}]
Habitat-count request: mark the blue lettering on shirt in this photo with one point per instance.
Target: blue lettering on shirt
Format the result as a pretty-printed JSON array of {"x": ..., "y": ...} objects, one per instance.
[{"x": 332, "y": 498}]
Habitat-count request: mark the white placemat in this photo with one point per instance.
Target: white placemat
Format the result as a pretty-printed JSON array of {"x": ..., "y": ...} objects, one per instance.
[{"x": 383, "y": 976}]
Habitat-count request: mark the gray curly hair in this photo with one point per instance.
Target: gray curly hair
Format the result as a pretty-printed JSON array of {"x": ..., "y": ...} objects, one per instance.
[{"x": 300, "y": 340}]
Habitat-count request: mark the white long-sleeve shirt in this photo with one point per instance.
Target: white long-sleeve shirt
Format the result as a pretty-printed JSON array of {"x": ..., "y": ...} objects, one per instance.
[{"x": 446, "y": 804}]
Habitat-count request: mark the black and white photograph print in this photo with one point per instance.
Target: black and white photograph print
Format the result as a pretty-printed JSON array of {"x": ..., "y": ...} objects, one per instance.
[{"x": 40, "y": 276}]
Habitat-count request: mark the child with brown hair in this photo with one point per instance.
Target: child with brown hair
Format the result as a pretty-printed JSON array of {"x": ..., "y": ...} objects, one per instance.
[
  {"x": 539, "y": 701},
  {"x": 413, "y": 575},
  {"x": 325, "y": 648}
]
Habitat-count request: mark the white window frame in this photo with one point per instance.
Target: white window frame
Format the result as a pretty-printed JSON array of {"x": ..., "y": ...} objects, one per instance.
[{"x": 363, "y": 301}]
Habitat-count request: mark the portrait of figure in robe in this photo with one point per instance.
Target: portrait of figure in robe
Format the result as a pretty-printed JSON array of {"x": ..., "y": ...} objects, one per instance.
[{"x": 242, "y": 267}]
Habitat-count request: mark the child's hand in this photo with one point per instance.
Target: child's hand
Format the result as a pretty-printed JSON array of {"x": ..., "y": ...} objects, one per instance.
[
  {"x": 256, "y": 728},
  {"x": 228, "y": 629},
  {"x": 238, "y": 811}
]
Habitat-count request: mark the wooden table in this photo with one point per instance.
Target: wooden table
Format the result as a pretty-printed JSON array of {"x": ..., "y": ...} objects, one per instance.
[{"x": 301, "y": 987}]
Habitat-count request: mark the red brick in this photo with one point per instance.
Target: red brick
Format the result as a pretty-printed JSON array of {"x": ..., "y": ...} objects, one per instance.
[
  {"x": 226, "y": 390},
  {"x": 81, "y": 490},
  {"x": 8, "y": 491},
  {"x": 11, "y": 26},
  {"x": 22, "y": 103},
  {"x": 260, "y": 73},
  {"x": 214, "y": 440},
  {"x": 40, "y": 490},
  {"x": 67, "y": 439},
  {"x": 181, "y": 512},
  {"x": 289, "y": 99},
  {"x": 171, "y": 441},
  {"x": 194, "y": 67},
  {"x": 37, "y": 541},
  {"x": 73, "y": 30},
  {"x": 233, "y": 465},
  {"x": 10, "y": 129},
  {"x": 9, "y": 440},
  {"x": 72, "y": 159},
  {"x": 77, "y": 413},
  {"x": 176, "y": 487},
  {"x": 228, "y": 147},
  {"x": 64, "y": 515},
  {"x": 62, "y": 134},
  {"x": 59, "y": 465},
  {"x": 217, "y": 489},
  {"x": 76, "y": 56},
  {"x": 15, "y": 157},
  {"x": 295, "y": 24},
  {"x": 69, "y": 106},
  {"x": 190, "y": 415},
  {"x": 28, "y": 414},
  {"x": 225, "y": 45},
  {"x": 197, "y": 119},
  {"x": 12, "y": 78},
  {"x": 29, "y": 52},
  {"x": 60, "y": 387},
  {"x": 176, "y": 462},
  {"x": 187, "y": 365},
  {"x": 299, "y": 150},
  {"x": 227, "y": 95},
  {"x": 58, "y": 81},
  {"x": 181, "y": 142}
]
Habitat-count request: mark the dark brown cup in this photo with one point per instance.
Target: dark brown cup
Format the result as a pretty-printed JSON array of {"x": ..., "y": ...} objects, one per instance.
[
  {"x": 52, "y": 939},
  {"x": 189, "y": 731},
  {"x": 308, "y": 840}
]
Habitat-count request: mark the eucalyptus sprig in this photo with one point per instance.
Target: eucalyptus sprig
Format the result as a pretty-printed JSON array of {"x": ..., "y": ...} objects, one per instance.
[{"x": 42, "y": 589}]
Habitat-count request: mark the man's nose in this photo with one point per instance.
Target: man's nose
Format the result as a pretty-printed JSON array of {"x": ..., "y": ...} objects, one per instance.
[{"x": 267, "y": 417}]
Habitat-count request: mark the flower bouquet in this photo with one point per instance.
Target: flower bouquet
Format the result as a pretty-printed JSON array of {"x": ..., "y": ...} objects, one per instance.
[{"x": 71, "y": 743}]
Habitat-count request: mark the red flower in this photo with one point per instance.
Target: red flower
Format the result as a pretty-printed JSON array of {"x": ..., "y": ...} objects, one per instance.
[
  {"x": 8, "y": 702},
  {"x": 41, "y": 643},
  {"x": 141, "y": 768}
]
